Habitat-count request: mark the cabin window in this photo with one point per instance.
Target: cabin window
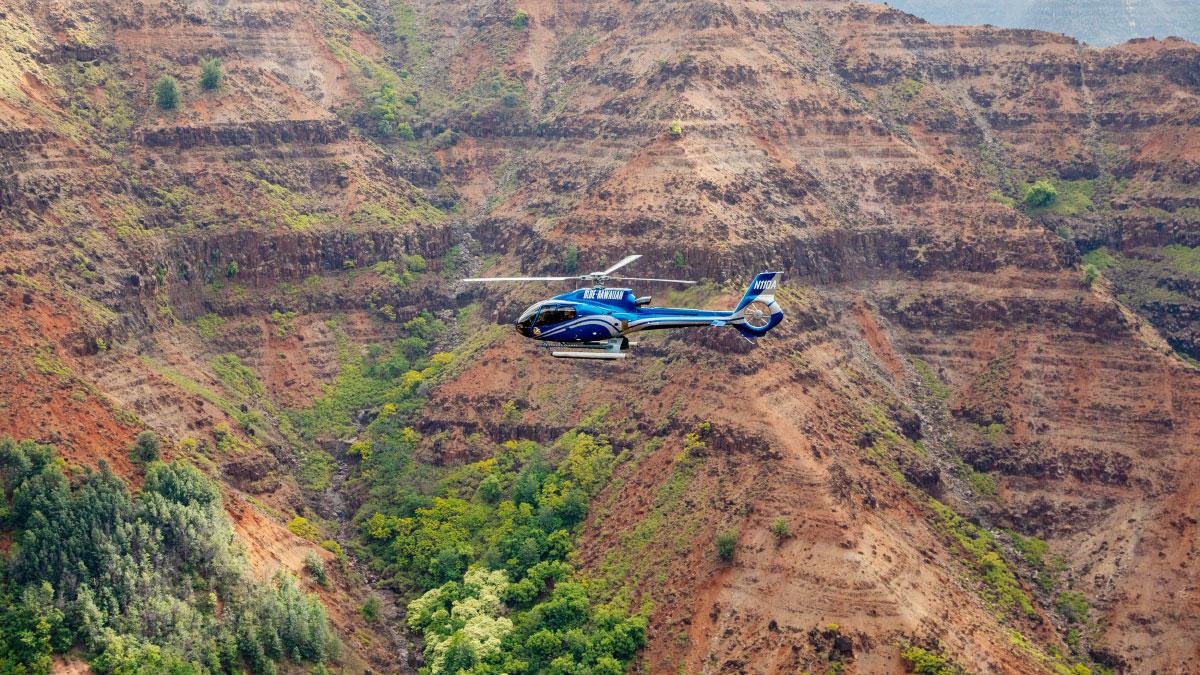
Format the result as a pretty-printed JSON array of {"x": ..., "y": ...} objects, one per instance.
[{"x": 552, "y": 315}]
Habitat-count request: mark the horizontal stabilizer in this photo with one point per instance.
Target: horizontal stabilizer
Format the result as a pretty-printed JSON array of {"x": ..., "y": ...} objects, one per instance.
[{"x": 588, "y": 355}]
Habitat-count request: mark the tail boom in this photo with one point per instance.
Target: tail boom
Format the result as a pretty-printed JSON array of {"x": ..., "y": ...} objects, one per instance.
[{"x": 761, "y": 290}]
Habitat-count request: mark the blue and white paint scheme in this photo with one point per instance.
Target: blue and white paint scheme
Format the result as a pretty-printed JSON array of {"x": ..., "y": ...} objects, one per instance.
[
  {"x": 596, "y": 314},
  {"x": 600, "y": 318}
]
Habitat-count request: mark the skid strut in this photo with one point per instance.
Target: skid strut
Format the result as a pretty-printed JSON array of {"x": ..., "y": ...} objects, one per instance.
[{"x": 612, "y": 349}]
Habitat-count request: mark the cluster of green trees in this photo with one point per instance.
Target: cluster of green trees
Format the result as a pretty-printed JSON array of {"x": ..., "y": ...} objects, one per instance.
[
  {"x": 493, "y": 551},
  {"x": 385, "y": 108},
  {"x": 149, "y": 584},
  {"x": 166, "y": 90}
]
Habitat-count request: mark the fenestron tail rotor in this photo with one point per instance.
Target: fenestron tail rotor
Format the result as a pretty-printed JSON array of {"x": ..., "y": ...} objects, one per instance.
[
  {"x": 597, "y": 278},
  {"x": 757, "y": 314}
]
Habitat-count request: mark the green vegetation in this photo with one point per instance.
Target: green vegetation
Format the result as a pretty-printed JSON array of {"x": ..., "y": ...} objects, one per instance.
[
  {"x": 385, "y": 108},
  {"x": 283, "y": 323},
  {"x": 133, "y": 583},
  {"x": 571, "y": 259},
  {"x": 935, "y": 385},
  {"x": 1090, "y": 275},
  {"x": 982, "y": 484},
  {"x": 1182, "y": 259},
  {"x": 1073, "y": 606},
  {"x": 1040, "y": 195},
  {"x": 497, "y": 568},
  {"x": 300, "y": 527},
  {"x": 726, "y": 543},
  {"x": 1099, "y": 258},
  {"x": 238, "y": 380},
  {"x": 679, "y": 261},
  {"x": 210, "y": 73},
  {"x": 147, "y": 447},
  {"x": 923, "y": 662},
  {"x": 520, "y": 19},
  {"x": 372, "y": 609},
  {"x": 780, "y": 528},
  {"x": 676, "y": 130},
  {"x": 166, "y": 94},
  {"x": 1059, "y": 197},
  {"x": 209, "y": 326},
  {"x": 315, "y": 566},
  {"x": 1004, "y": 199},
  {"x": 984, "y": 559}
]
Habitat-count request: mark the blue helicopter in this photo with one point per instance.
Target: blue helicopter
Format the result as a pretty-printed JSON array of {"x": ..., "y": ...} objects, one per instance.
[{"x": 600, "y": 319}]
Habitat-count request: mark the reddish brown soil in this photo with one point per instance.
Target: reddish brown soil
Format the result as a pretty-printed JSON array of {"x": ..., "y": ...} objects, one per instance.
[{"x": 855, "y": 148}]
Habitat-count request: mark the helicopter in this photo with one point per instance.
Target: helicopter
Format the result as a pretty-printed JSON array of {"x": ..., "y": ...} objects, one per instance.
[{"x": 600, "y": 319}]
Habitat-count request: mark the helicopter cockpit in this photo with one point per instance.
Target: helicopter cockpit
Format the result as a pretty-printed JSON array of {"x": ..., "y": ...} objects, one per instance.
[{"x": 543, "y": 314}]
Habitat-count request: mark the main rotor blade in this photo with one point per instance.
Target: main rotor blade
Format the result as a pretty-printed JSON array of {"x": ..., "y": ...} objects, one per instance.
[
  {"x": 624, "y": 261},
  {"x": 669, "y": 281},
  {"x": 521, "y": 279}
]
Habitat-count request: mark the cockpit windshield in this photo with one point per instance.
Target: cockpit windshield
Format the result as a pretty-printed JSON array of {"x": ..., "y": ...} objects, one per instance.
[
  {"x": 543, "y": 314},
  {"x": 525, "y": 321}
]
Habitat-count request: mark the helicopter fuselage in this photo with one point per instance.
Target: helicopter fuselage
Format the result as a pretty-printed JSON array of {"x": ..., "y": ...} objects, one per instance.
[{"x": 596, "y": 314}]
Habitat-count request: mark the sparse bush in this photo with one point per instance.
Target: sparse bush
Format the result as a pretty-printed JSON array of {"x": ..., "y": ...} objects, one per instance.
[
  {"x": 166, "y": 93},
  {"x": 1040, "y": 194},
  {"x": 924, "y": 662},
  {"x": 404, "y": 130},
  {"x": 571, "y": 259},
  {"x": 676, "y": 129},
  {"x": 231, "y": 269},
  {"x": 679, "y": 261},
  {"x": 1074, "y": 606},
  {"x": 780, "y": 528},
  {"x": 372, "y": 609},
  {"x": 510, "y": 414},
  {"x": 727, "y": 544},
  {"x": 210, "y": 73},
  {"x": 316, "y": 567},
  {"x": 1090, "y": 275},
  {"x": 520, "y": 19},
  {"x": 302, "y": 528},
  {"x": 146, "y": 448}
]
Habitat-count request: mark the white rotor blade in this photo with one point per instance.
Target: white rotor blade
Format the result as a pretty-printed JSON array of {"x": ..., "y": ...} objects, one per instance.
[
  {"x": 521, "y": 279},
  {"x": 669, "y": 281},
  {"x": 624, "y": 261}
]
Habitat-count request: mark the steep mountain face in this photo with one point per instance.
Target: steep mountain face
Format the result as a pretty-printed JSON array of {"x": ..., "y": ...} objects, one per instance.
[
  {"x": 977, "y": 447},
  {"x": 1098, "y": 22}
]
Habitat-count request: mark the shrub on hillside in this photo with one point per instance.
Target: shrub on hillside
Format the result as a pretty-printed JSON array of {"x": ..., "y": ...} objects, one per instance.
[
  {"x": 1041, "y": 194},
  {"x": 727, "y": 544},
  {"x": 316, "y": 567},
  {"x": 210, "y": 73},
  {"x": 780, "y": 528},
  {"x": 166, "y": 94},
  {"x": 146, "y": 448}
]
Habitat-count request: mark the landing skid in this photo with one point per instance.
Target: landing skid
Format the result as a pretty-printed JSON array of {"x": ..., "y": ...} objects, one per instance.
[{"x": 613, "y": 349}]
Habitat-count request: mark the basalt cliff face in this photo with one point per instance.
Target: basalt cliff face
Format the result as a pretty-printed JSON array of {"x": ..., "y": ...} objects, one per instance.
[{"x": 968, "y": 434}]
